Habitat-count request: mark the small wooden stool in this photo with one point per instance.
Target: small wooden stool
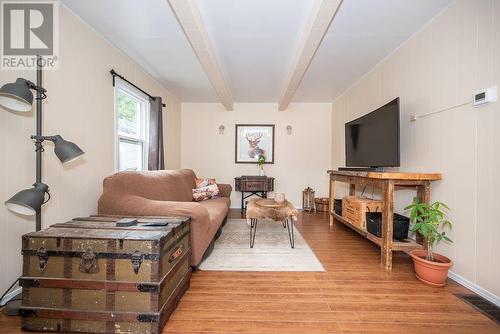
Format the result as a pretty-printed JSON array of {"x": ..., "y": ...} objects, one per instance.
[{"x": 283, "y": 212}]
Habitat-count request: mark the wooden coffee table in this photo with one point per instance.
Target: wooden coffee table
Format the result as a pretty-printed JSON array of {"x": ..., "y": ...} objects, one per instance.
[{"x": 269, "y": 209}]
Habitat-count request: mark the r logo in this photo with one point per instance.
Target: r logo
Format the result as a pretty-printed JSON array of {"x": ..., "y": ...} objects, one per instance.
[{"x": 28, "y": 28}]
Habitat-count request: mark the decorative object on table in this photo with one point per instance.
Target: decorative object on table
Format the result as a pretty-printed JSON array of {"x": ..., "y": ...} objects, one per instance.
[
  {"x": 354, "y": 209},
  {"x": 430, "y": 220},
  {"x": 252, "y": 141},
  {"x": 308, "y": 199},
  {"x": 17, "y": 97},
  {"x": 321, "y": 204},
  {"x": 253, "y": 185},
  {"x": 279, "y": 197},
  {"x": 206, "y": 188},
  {"x": 222, "y": 128},
  {"x": 272, "y": 252},
  {"x": 269, "y": 209},
  {"x": 260, "y": 162},
  {"x": 401, "y": 225},
  {"x": 288, "y": 129},
  {"x": 129, "y": 278}
]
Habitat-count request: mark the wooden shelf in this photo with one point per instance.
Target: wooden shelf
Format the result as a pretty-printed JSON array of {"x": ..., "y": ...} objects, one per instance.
[{"x": 406, "y": 245}]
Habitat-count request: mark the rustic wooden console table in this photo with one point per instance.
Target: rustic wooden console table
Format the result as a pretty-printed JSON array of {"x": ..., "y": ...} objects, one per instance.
[
  {"x": 386, "y": 181},
  {"x": 253, "y": 185}
]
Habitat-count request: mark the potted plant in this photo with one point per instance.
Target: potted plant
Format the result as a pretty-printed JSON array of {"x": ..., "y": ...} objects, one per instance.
[
  {"x": 260, "y": 162},
  {"x": 430, "y": 221}
]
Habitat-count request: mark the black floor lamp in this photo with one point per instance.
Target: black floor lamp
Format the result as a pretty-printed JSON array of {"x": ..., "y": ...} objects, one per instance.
[{"x": 17, "y": 97}]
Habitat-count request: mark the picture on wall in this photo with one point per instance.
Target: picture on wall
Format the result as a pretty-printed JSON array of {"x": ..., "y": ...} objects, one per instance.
[{"x": 254, "y": 140}]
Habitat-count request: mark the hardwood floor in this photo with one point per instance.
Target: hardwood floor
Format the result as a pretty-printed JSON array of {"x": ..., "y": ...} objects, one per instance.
[{"x": 355, "y": 295}]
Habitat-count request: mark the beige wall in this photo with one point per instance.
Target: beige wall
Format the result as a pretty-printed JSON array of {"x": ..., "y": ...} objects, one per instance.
[
  {"x": 79, "y": 107},
  {"x": 301, "y": 159},
  {"x": 441, "y": 66}
]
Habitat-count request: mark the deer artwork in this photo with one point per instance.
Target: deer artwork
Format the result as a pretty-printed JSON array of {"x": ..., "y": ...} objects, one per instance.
[{"x": 253, "y": 140}]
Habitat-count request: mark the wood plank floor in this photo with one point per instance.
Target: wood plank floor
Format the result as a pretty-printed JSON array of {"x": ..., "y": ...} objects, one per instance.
[{"x": 355, "y": 295}]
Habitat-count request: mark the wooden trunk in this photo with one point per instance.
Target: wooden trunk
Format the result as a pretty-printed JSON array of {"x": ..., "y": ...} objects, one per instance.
[
  {"x": 90, "y": 276},
  {"x": 354, "y": 209}
]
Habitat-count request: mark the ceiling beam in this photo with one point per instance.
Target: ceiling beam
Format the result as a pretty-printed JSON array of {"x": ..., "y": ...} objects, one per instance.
[
  {"x": 320, "y": 19},
  {"x": 188, "y": 16}
]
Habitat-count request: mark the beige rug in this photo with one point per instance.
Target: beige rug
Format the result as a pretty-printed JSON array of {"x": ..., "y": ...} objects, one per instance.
[{"x": 271, "y": 252}]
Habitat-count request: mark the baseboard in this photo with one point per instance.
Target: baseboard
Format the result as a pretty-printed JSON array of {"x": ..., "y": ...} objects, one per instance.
[
  {"x": 10, "y": 295},
  {"x": 475, "y": 288}
]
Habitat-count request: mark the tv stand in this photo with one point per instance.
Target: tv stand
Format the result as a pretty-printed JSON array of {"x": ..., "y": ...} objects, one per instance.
[
  {"x": 362, "y": 169},
  {"x": 387, "y": 182}
]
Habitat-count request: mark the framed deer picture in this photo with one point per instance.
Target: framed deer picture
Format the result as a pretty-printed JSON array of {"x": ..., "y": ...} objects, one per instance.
[{"x": 253, "y": 141}]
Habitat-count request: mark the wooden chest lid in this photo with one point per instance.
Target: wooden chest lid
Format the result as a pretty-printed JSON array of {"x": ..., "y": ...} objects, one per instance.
[{"x": 105, "y": 228}]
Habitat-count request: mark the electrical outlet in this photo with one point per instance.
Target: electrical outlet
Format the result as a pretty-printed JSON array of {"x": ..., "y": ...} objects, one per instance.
[{"x": 485, "y": 96}]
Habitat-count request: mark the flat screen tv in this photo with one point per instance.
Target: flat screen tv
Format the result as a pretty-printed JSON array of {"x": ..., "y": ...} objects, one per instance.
[{"x": 373, "y": 139}]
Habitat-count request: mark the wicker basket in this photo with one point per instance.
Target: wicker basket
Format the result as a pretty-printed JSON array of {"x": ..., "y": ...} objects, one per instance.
[{"x": 322, "y": 204}]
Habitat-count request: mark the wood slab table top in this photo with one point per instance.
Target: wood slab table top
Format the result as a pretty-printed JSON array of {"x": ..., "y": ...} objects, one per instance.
[{"x": 389, "y": 175}]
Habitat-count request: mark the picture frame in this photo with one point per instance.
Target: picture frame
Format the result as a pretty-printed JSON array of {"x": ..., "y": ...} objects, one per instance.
[{"x": 253, "y": 140}]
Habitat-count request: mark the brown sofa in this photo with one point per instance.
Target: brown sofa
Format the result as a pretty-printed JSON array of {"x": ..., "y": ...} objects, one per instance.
[{"x": 166, "y": 193}]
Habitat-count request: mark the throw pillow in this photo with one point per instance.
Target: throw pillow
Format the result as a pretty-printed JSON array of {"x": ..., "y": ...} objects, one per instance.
[
  {"x": 205, "y": 189},
  {"x": 201, "y": 182}
]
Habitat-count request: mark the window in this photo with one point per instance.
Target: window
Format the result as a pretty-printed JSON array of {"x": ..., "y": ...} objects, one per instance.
[{"x": 131, "y": 128}]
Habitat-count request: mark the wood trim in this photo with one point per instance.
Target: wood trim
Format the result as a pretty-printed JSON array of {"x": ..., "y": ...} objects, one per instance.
[{"x": 236, "y": 144}]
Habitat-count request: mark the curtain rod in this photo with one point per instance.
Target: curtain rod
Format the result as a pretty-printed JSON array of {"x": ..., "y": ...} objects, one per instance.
[{"x": 114, "y": 74}]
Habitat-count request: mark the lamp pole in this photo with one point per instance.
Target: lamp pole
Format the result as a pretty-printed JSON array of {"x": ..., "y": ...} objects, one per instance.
[{"x": 38, "y": 142}]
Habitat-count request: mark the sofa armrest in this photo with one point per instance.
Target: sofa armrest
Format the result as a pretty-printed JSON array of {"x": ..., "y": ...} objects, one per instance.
[{"x": 225, "y": 189}]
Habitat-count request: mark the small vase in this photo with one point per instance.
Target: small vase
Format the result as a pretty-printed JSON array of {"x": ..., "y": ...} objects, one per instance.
[{"x": 262, "y": 172}]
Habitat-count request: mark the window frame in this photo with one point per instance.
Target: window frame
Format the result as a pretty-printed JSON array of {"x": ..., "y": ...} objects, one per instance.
[{"x": 143, "y": 101}]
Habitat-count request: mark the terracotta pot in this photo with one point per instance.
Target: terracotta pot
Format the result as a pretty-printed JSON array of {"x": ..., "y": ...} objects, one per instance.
[{"x": 431, "y": 273}]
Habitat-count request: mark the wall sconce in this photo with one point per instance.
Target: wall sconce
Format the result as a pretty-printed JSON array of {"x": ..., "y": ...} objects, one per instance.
[
  {"x": 289, "y": 129},
  {"x": 221, "y": 129}
]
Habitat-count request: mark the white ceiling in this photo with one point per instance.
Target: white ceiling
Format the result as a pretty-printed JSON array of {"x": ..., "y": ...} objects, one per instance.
[
  {"x": 256, "y": 41},
  {"x": 362, "y": 33}
]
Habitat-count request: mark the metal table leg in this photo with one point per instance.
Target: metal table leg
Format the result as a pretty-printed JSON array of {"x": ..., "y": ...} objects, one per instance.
[
  {"x": 253, "y": 231},
  {"x": 289, "y": 224}
]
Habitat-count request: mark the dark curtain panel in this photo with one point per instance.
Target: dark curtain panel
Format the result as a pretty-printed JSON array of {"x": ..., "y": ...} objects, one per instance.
[{"x": 156, "y": 159}]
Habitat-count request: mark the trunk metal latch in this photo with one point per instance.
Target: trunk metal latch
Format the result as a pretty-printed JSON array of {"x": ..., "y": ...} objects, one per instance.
[
  {"x": 137, "y": 259},
  {"x": 88, "y": 262},
  {"x": 43, "y": 258}
]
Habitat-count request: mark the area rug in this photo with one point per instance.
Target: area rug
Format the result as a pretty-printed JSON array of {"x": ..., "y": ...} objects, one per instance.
[{"x": 271, "y": 252}]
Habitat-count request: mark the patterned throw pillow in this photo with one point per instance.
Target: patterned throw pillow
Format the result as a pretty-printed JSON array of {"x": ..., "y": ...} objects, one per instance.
[
  {"x": 205, "y": 189},
  {"x": 201, "y": 182}
]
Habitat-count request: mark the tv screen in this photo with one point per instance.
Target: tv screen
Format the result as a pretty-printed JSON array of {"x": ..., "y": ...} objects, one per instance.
[{"x": 373, "y": 140}]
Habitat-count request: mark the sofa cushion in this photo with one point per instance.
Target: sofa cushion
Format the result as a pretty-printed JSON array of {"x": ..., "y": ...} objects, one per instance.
[
  {"x": 217, "y": 209},
  {"x": 162, "y": 185}
]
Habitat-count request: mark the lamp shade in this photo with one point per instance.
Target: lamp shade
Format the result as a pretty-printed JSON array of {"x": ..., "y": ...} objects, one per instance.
[
  {"x": 28, "y": 201},
  {"x": 16, "y": 96},
  {"x": 65, "y": 150}
]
